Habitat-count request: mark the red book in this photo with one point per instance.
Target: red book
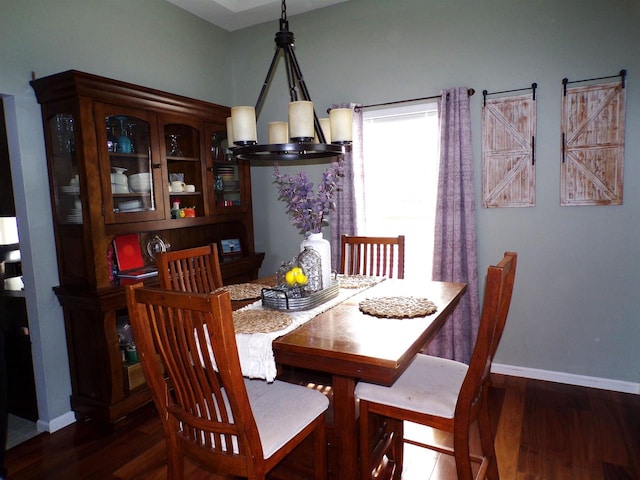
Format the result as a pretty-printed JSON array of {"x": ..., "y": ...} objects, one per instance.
[{"x": 129, "y": 258}]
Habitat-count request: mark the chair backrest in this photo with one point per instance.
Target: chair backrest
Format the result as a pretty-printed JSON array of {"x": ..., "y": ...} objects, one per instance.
[
  {"x": 206, "y": 412},
  {"x": 372, "y": 256},
  {"x": 194, "y": 270},
  {"x": 497, "y": 299}
]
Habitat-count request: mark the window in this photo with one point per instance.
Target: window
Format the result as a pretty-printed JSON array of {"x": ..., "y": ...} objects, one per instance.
[{"x": 400, "y": 185}]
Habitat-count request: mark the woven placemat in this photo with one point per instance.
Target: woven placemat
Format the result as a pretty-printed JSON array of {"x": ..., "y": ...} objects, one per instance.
[
  {"x": 260, "y": 321},
  {"x": 398, "y": 307},
  {"x": 356, "y": 281},
  {"x": 243, "y": 291}
]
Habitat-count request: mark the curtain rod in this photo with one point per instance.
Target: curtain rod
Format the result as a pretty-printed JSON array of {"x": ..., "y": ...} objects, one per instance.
[
  {"x": 471, "y": 91},
  {"x": 532, "y": 87},
  {"x": 622, "y": 74}
]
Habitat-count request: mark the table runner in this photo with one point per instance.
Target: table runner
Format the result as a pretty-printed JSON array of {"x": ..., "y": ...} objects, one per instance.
[{"x": 256, "y": 350}]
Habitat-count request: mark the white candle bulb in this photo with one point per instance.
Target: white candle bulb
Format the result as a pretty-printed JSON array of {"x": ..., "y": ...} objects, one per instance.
[
  {"x": 243, "y": 121},
  {"x": 341, "y": 121},
  {"x": 229, "y": 132},
  {"x": 278, "y": 132},
  {"x": 325, "y": 125},
  {"x": 301, "y": 119}
]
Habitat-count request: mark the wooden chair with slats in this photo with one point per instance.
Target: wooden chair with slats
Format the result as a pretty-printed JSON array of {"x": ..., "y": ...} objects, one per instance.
[
  {"x": 211, "y": 414},
  {"x": 373, "y": 256},
  {"x": 194, "y": 270},
  {"x": 443, "y": 394}
]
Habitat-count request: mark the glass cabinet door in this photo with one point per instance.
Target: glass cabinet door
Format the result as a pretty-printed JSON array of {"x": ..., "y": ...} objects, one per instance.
[
  {"x": 185, "y": 167},
  {"x": 225, "y": 174},
  {"x": 66, "y": 183},
  {"x": 130, "y": 165}
]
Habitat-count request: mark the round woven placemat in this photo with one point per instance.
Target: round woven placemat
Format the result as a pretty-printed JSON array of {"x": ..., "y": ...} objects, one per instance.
[
  {"x": 398, "y": 307},
  {"x": 260, "y": 321},
  {"x": 356, "y": 281},
  {"x": 243, "y": 291}
]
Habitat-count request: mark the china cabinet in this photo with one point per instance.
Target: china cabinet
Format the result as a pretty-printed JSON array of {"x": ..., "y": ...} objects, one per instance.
[{"x": 125, "y": 159}]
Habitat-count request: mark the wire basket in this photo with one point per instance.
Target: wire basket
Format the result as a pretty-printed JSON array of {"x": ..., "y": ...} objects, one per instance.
[{"x": 282, "y": 298}]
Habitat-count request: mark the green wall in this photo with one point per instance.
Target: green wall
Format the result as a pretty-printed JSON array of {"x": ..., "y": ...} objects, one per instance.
[
  {"x": 147, "y": 42},
  {"x": 575, "y": 311}
]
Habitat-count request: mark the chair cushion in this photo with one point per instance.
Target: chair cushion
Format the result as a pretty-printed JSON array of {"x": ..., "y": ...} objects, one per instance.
[
  {"x": 429, "y": 385},
  {"x": 282, "y": 410}
]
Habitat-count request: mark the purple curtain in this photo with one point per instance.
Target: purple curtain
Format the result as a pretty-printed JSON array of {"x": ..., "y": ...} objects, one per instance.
[
  {"x": 455, "y": 251},
  {"x": 350, "y": 198}
]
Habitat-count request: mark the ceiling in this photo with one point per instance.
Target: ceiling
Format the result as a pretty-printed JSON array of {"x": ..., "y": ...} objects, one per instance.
[{"x": 236, "y": 14}]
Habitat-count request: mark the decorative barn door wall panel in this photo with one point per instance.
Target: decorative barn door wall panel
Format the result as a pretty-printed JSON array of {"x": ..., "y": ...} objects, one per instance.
[
  {"x": 593, "y": 126},
  {"x": 508, "y": 148}
]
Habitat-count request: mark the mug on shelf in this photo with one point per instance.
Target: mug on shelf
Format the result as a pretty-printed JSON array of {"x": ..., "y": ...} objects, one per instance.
[
  {"x": 178, "y": 186},
  {"x": 190, "y": 188}
]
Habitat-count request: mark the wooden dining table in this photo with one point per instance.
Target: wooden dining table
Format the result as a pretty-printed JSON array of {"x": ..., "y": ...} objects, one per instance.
[{"x": 350, "y": 346}]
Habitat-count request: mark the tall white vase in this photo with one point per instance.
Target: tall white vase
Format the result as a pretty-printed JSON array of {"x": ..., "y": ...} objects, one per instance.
[{"x": 323, "y": 247}]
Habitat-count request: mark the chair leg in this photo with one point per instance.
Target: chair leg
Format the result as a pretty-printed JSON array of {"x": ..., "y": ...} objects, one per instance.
[
  {"x": 175, "y": 460},
  {"x": 398, "y": 448},
  {"x": 486, "y": 441},
  {"x": 388, "y": 443},
  {"x": 320, "y": 450},
  {"x": 462, "y": 452},
  {"x": 365, "y": 450}
]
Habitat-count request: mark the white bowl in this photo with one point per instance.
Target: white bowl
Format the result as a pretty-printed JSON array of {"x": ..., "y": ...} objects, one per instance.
[
  {"x": 140, "y": 182},
  {"x": 140, "y": 177},
  {"x": 140, "y": 188}
]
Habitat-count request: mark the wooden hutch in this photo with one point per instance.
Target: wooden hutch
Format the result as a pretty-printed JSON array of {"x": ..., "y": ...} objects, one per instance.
[{"x": 95, "y": 130}]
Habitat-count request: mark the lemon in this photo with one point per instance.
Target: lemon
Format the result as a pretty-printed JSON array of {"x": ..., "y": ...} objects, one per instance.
[
  {"x": 290, "y": 278},
  {"x": 296, "y": 270},
  {"x": 301, "y": 278}
]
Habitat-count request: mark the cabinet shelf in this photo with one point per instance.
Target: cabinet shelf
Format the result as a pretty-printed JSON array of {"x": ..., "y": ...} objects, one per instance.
[
  {"x": 183, "y": 159},
  {"x": 96, "y": 113},
  {"x": 128, "y": 156}
]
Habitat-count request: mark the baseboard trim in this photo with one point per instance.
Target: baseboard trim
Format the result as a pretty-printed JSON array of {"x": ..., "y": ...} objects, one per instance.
[
  {"x": 568, "y": 378},
  {"x": 56, "y": 423}
]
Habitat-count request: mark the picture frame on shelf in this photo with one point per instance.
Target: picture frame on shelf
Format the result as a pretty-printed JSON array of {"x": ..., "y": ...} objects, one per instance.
[{"x": 230, "y": 247}]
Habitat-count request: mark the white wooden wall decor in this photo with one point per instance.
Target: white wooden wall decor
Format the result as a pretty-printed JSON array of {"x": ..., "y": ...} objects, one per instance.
[
  {"x": 508, "y": 151},
  {"x": 593, "y": 132}
]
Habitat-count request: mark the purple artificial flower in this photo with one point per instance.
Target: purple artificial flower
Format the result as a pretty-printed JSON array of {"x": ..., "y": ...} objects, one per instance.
[{"x": 308, "y": 209}]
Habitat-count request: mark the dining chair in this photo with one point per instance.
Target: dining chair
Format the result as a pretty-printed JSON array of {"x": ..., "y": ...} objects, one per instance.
[
  {"x": 373, "y": 256},
  {"x": 194, "y": 270},
  {"x": 443, "y": 394},
  {"x": 211, "y": 414}
]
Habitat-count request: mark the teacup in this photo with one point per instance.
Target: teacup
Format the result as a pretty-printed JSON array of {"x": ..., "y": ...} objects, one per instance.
[{"x": 178, "y": 186}]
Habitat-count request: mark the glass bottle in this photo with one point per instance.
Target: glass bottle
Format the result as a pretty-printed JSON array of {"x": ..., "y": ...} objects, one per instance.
[{"x": 310, "y": 262}]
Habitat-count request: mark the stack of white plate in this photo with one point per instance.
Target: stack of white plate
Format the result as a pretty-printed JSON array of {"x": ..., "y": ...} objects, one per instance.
[
  {"x": 70, "y": 188},
  {"x": 75, "y": 215},
  {"x": 130, "y": 206},
  {"x": 119, "y": 188},
  {"x": 226, "y": 172},
  {"x": 119, "y": 181}
]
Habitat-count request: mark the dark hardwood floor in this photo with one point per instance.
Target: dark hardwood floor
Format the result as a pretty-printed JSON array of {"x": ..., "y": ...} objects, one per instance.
[{"x": 544, "y": 431}]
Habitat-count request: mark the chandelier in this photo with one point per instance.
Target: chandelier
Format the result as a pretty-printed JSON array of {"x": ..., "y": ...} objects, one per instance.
[{"x": 304, "y": 136}]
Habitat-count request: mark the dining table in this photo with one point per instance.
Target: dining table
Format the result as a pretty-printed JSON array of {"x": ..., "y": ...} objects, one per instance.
[{"x": 350, "y": 345}]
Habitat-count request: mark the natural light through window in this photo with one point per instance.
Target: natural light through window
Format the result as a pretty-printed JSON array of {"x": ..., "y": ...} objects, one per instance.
[{"x": 400, "y": 180}]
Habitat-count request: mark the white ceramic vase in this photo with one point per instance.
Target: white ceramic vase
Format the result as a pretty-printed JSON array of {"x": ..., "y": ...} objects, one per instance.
[{"x": 323, "y": 247}]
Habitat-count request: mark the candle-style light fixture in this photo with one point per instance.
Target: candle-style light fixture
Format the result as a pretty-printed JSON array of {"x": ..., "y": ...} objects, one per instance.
[{"x": 304, "y": 136}]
